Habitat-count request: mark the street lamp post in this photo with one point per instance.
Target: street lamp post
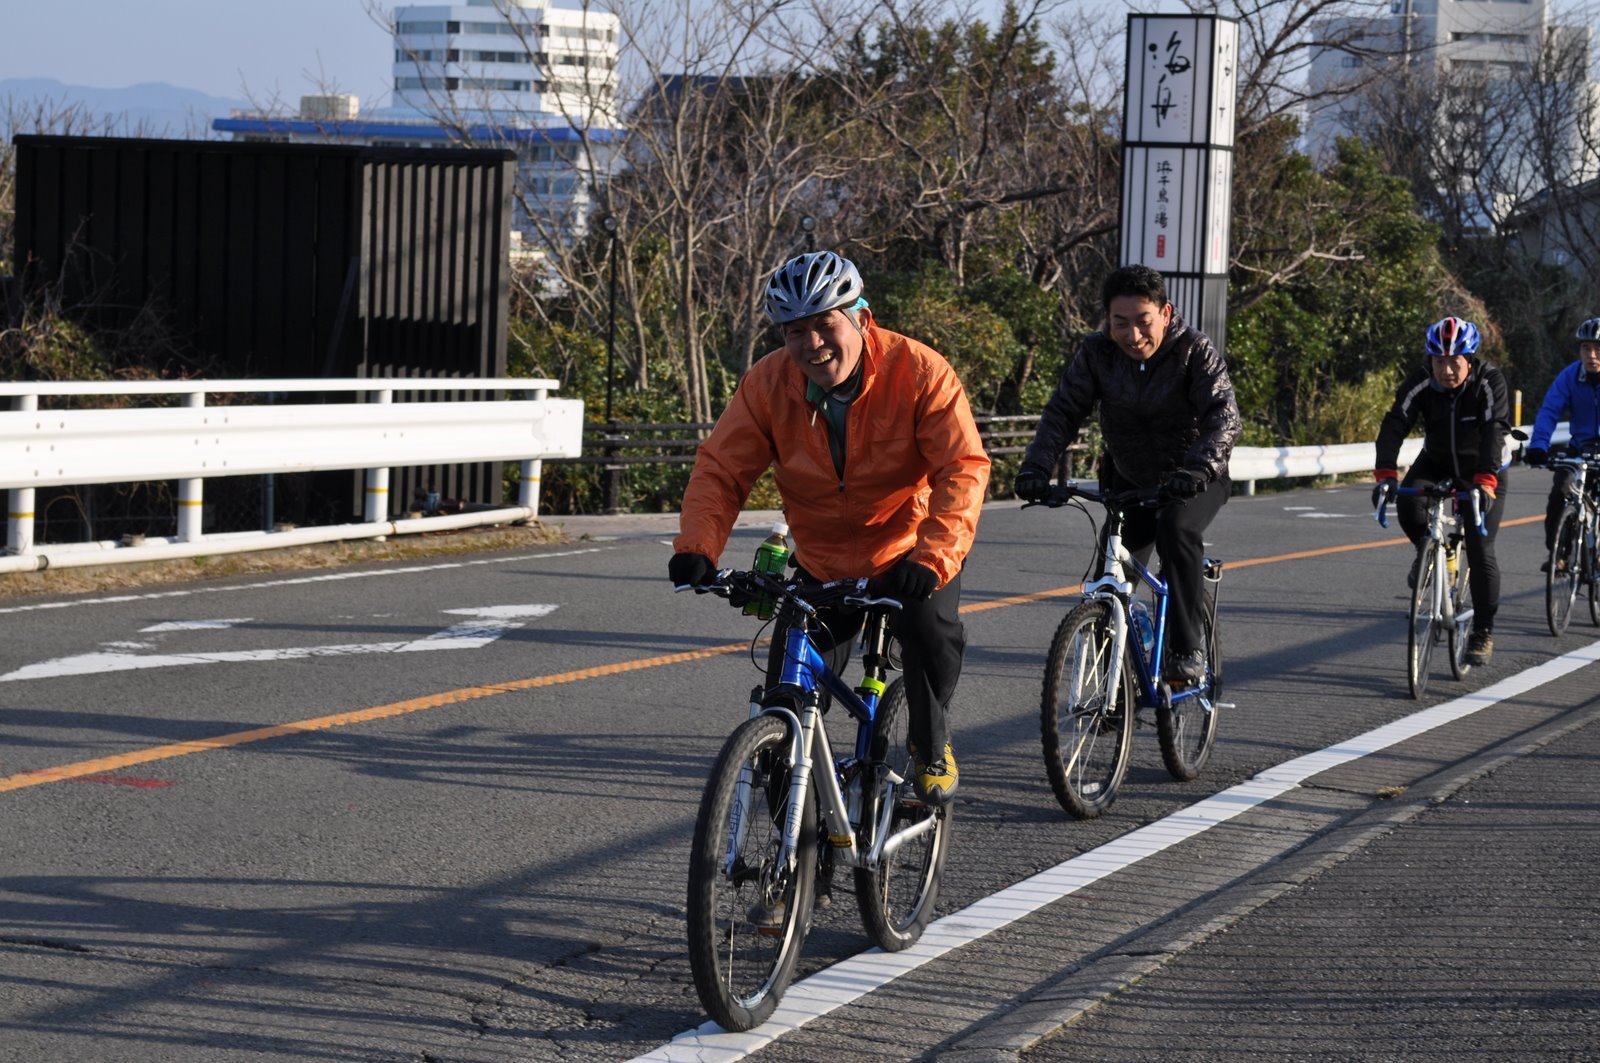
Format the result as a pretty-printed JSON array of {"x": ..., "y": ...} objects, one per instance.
[
  {"x": 613, "y": 471},
  {"x": 808, "y": 225}
]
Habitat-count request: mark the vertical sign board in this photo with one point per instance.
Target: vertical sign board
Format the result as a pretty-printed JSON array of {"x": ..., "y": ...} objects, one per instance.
[{"x": 1177, "y": 158}]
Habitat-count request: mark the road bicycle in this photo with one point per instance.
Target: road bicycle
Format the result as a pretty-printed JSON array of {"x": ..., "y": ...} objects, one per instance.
[
  {"x": 1572, "y": 563},
  {"x": 1099, "y": 674},
  {"x": 1441, "y": 609},
  {"x": 778, "y": 797}
]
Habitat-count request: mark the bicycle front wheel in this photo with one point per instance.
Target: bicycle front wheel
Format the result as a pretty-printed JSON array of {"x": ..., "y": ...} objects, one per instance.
[
  {"x": 1188, "y": 728},
  {"x": 897, "y": 897},
  {"x": 748, "y": 912},
  {"x": 1419, "y": 644},
  {"x": 1086, "y": 724},
  {"x": 1561, "y": 578},
  {"x": 1591, "y": 576}
]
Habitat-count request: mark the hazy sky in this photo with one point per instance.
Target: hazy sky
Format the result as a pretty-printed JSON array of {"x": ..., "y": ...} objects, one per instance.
[
  {"x": 258, "y": 49},
  {"x": 223, "y": 47}
]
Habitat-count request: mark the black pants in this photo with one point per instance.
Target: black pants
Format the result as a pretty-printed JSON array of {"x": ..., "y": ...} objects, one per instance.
[
  {"x": 932, "y": 642},
  {"x": 1484, "y": 579},
  {"x": 1177, "y": 532},
  {"x": 1561, "y": 489}
]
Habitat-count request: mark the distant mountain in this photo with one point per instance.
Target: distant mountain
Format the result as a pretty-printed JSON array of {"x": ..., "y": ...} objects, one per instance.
[{"x": 153, "y": 109}]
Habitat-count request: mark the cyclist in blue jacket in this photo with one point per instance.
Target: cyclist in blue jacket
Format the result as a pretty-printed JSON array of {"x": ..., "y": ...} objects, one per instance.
[{"x": 1575, "y": 395}]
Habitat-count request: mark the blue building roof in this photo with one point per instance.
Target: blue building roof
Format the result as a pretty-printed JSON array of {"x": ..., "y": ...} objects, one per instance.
[{"x": 369, "y": 130}]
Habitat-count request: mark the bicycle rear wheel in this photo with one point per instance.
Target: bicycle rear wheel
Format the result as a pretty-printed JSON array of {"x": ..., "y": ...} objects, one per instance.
[
  {"x": 1419, "y": 642},
  {"x": 1461, "y": 601},
  {"x": 897, "y": 898},
  {"x": 1188, "y": 728},
  {"x": 1086, "y": 725},
  {"x": 1561, "y": 578},
  {"x": 748, "y": 914}
]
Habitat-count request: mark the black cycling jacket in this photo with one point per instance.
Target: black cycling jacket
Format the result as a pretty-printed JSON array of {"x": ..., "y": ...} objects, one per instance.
[
  {"x": 1462, "y": 429},
  {"x": 1174, "y": 410}
]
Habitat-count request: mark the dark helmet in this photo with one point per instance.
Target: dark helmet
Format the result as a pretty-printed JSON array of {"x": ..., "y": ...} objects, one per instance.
[
  {"x": 810, "y": 284},
  {"x": 1589, "y": 330}
]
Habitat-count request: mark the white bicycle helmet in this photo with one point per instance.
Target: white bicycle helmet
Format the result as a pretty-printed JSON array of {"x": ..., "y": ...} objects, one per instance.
[
  {"x": 1589, "y": 330},
  {"x": 810, "y": 284}
]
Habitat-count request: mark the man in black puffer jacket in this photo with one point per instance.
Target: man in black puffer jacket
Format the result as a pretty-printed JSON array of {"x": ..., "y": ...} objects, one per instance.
[{"x": 1168, "y": 417}]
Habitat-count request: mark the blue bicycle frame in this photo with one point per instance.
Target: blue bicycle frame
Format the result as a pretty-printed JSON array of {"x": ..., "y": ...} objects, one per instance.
[{"x": 1112, "y": 585}]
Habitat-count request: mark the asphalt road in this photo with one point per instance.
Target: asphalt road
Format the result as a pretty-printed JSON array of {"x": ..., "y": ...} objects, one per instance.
[{"x": 441, "y": 810}]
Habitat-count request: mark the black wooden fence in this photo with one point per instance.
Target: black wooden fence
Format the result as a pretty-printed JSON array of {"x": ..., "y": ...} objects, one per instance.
[{"x": 268, "y": 260}]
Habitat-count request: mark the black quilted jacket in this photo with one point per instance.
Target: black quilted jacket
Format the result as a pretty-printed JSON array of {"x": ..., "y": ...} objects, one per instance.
[
  {"x": 1175, "y": 410},
  {"x": 1465, "y": 427}
]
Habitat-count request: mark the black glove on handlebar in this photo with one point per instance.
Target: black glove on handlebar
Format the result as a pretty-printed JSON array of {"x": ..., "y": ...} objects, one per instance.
[
  {"x": 907, "y": 581},
  {"x": 688, "y": 569},
  {"x": 1185, "y": 483},
  {"x": 1535, "y": 456},
  {"x": 1381, "y": 492},
  {"x": 1032, "y": 484}
]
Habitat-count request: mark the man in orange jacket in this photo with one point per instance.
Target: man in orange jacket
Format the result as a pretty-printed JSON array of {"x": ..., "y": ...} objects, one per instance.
[{"x": 882, "y": 474}]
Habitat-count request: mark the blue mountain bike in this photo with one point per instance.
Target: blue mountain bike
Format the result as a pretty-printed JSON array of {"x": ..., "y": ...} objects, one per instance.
[
  {"x": 1099, "y": 671},
  {"x": 780, "y": 810}
]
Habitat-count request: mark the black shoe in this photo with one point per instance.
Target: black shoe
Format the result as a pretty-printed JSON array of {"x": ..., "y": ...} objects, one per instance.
[
  {"x": 1480, "y": 647},
  {"x": 1189, "y": 667}
]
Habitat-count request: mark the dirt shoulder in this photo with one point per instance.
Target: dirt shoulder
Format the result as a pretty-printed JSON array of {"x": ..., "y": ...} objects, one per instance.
[{"x": 101, "y": 578}]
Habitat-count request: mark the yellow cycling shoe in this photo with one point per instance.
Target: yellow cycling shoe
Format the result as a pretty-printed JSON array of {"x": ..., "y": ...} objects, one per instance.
[{"x": 936, "y": 782}]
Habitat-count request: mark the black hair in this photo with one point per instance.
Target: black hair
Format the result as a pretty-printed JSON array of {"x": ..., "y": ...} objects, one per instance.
[{"x": 1134, "y": 280}]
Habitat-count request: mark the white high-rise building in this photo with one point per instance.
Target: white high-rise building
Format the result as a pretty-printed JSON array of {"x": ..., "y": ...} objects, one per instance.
[
  {"x": 525, "y": 75},
  {"x": 1497, "y": 40},
  {"x": 504, "y": 59},
  {"x": 1492, "y": 68}
]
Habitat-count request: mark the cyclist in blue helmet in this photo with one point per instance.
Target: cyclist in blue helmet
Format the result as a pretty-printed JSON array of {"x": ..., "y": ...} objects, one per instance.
[
  {"x": 1575, "y": 395},
  {"x": 1462, "y": 403}
]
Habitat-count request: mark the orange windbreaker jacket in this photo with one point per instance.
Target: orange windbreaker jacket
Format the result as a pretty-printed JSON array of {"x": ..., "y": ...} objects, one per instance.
[{"x": 914, "y": 469}]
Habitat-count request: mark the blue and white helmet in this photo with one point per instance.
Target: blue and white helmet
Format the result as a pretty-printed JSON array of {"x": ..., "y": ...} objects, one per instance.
[
  {"x": 810, "y": 284},
  {"x": 1589, "y": 331},
  {"x": 1452, "y": 336}
]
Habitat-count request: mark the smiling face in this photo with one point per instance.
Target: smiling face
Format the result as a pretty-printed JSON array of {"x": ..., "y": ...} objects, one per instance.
[
  {"x": 827, "y": 347},
  {"x": 1450, "y": 370},
  {"x": 1589, "y": 355},
  {"x": 1138, "y": 325}
]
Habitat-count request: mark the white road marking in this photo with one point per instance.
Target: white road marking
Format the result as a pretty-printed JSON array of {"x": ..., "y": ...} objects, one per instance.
[
  {"x": 487, "y": 625},
  {"x": 196, "y": 625},
  {"x": 854, "y": 978},
  {"x": 326, "y": 577},
  {"x": 1326, "y": 516}
]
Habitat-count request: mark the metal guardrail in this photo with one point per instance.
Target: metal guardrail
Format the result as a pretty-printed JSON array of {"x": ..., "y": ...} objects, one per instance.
[
  {"x": 617, "y": 446},
  {"x": 193, "y": 441}
]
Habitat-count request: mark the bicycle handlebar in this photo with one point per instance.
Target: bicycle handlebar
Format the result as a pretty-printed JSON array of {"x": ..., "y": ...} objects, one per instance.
[
  {"x": 1060, "y": 494},
  {"x": 1442, "y": 489},
  {"x": 807, "y": 595}
]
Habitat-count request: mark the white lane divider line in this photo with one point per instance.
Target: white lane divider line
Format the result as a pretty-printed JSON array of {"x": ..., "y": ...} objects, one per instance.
[{"x": 851, "y": 979}]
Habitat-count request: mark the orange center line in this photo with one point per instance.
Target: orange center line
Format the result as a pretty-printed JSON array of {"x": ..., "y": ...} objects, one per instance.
[{"x": 104, "y": 765}]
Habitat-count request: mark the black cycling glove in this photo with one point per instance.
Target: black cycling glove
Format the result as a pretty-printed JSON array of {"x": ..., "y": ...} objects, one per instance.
[{"x": 688, "y": 569}]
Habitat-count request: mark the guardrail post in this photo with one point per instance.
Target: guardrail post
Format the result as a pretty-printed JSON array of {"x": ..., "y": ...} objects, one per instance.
[
  {"x": 528, "y": 484},
  {"x": 191, "y": 493},
  {"x": 613, "y": 470},
  {"x": 19, "y": 518},
  {"x": 376, "y": 507}
]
